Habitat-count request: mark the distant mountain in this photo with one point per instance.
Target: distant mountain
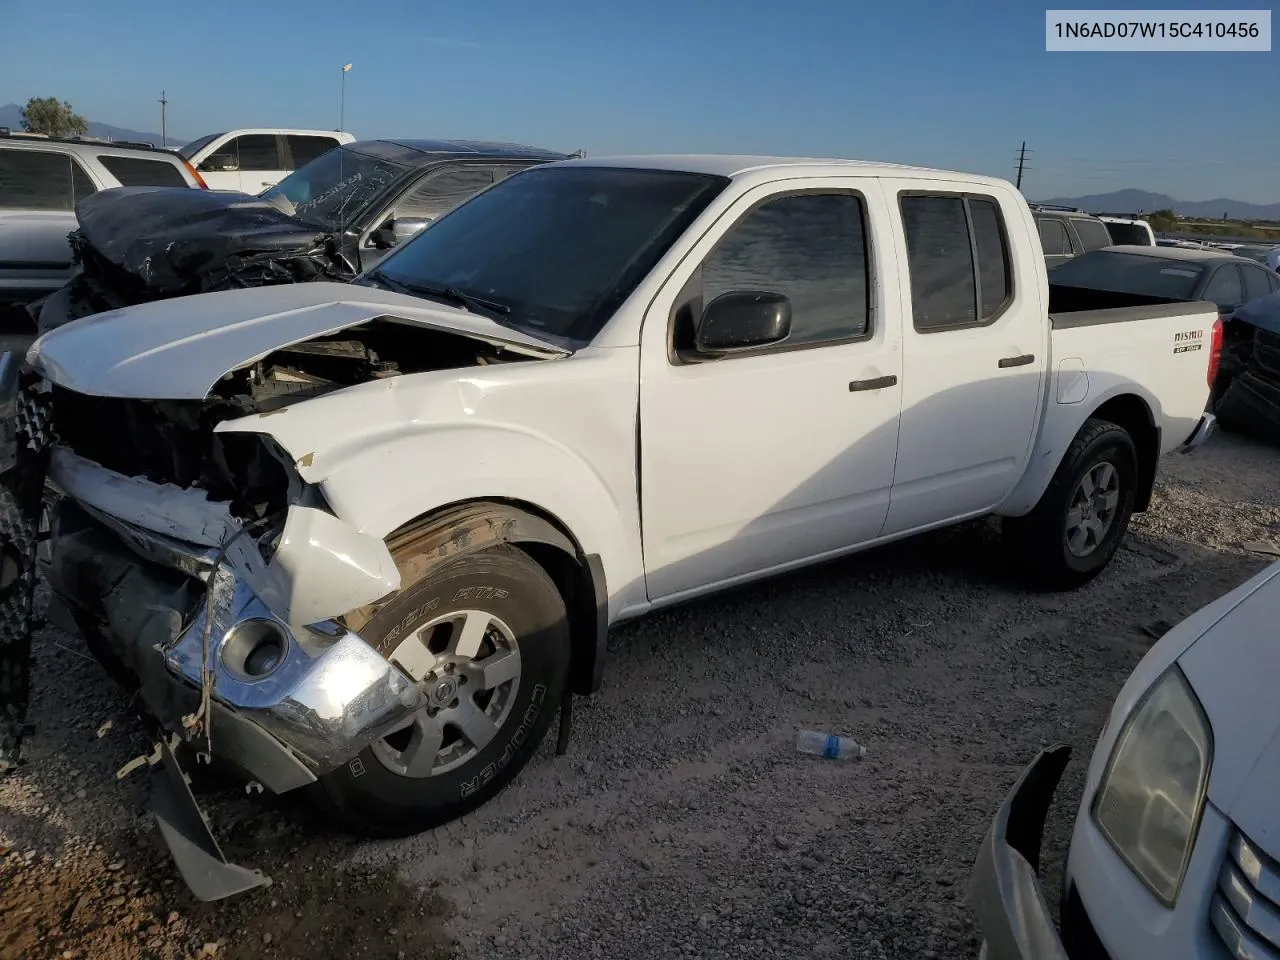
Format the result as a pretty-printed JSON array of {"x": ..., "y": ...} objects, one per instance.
[
  {"x": 11, "y": 117},
  {"x": 1132, "y": 201}
]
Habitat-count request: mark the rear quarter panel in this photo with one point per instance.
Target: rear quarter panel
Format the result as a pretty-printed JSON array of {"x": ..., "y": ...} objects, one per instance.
[{"x": 1161, "y": 356}]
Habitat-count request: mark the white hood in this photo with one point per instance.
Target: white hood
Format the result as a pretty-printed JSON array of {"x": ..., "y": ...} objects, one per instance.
[{"x": 178, "y": 349}]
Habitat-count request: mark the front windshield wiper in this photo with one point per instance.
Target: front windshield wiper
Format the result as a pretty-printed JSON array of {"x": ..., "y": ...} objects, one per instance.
[{"x": 464, "y": 300}]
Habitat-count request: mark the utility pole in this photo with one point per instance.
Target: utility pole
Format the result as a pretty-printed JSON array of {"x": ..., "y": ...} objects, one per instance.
[
  {"x": 1022, "y": 159},
  {"x": 164, "y": 103}
]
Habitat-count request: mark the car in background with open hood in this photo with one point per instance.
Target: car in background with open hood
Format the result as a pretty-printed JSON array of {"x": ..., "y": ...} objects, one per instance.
[{"x": 332, "y": 219}]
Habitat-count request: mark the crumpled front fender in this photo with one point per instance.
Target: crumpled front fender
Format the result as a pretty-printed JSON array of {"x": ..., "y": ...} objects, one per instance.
[{"x": 322, "y": 567}]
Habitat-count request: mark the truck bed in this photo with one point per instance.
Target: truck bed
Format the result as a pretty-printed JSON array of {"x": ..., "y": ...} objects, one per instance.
[{"x": 1071, "y": 306}]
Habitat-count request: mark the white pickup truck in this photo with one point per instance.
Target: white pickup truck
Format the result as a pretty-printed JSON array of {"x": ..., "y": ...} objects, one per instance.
[{"x": 364, "y": 539}]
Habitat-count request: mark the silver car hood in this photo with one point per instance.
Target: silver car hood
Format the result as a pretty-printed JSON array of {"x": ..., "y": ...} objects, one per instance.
[
  {"x": 1234, "y": 668},
  {"x": 178, "y": 349}
]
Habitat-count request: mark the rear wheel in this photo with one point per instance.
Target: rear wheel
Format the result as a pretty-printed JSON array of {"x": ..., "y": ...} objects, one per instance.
[
  {"x": 487, "y": 640},
  {"x": 1077, "y": 526}
]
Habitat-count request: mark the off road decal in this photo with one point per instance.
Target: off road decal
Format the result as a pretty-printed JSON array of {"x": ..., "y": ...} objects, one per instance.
[
  {"x": 517, "y": 740},
  {"x": 1186, "y": 341}
]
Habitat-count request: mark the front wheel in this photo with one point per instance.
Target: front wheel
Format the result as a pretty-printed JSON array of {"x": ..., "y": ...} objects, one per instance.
[
  {"x": 1077, "y": 526},
  {"x": 486, "y": 637}
]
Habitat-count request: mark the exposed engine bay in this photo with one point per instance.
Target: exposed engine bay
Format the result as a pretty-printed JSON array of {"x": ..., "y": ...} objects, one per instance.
[{"x": 173, "y": 441}]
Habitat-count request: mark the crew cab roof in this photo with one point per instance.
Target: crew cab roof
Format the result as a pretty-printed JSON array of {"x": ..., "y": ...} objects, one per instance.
[{"x": 733, "y": 166}]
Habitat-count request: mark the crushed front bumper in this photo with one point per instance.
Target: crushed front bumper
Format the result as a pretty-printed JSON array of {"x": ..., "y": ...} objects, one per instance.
[
  {"x": 177, "y": 621},
  {"x": 170, "y": 617},
  {"x": 1005, "y": 891}
]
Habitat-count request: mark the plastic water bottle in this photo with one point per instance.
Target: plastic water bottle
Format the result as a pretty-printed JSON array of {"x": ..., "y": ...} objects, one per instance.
[{"x": 829, "y": 745}]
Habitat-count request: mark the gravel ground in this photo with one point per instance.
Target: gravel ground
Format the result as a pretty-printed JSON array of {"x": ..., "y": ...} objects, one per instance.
[{"x": 682, "y": 821}]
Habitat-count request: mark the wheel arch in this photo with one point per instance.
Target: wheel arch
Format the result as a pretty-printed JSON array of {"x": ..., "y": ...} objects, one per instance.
[
  {"x": 466, "y": 527},
  {"x": 1061, "y": 424},
  {"x": 1131, "y": 413}
]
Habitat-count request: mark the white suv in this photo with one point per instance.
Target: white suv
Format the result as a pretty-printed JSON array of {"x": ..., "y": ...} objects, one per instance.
[
  {"x": 252, "y": 160},
  {"x": 1126, "y": 230},
  {"x": 41, "y": 179}
]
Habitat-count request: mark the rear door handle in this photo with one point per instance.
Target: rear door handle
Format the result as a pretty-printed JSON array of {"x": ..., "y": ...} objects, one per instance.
[
  {"x": 876, "y": 383},
  {"x": 1021, "y": 361}
]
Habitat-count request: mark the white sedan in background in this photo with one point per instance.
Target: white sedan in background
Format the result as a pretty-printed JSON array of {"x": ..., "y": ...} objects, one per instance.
[{"x": 1177, "y": 841}]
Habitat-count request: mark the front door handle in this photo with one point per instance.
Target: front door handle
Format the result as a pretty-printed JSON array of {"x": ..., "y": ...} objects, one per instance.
[
  {"x": 1021, "y": 361},
  {"x": 876, "y": 383}
]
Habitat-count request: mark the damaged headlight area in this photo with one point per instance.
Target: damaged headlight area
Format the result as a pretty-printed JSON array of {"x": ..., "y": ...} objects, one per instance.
[{"x": 173, "y": 442}]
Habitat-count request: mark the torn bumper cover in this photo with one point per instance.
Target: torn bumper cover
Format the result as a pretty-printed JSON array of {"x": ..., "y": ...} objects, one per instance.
[
  {"x": 1005, "y": 891},
  {"x": 286, "y": 703}
]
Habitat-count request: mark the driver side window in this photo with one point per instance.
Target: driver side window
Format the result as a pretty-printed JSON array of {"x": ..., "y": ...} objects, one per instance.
[{"x": 809, "y": 247}]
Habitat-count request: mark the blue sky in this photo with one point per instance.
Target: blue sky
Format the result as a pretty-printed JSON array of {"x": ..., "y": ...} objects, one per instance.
[{"x": 947, "y": 84}]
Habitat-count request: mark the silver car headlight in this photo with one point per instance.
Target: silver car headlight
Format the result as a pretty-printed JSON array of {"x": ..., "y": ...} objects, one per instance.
[{"x": 1149, "y": 802}]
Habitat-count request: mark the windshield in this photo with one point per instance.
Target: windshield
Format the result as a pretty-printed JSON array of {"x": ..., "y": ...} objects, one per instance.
[
  {"x": 1130, "y": 273},
  {"x": 561, "y": 247},
  {"x": 1129, "y": 233},
  {"x": 195, "y": 146},
  {"x": 335, "y": 188}
]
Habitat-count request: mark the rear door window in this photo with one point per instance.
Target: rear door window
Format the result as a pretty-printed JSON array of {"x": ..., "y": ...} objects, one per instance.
[
  {"x": 252, "y": 151},
  {"x": 992, "y": 249},
  {"x": 304, "y": 149},
  {"x": 1224, "y": 287},
  {"x": 41, "y": 180},
  {"x": 1053, "y": 237},
  {"x": 957, "y": 259},
  {"x": 1092, "y": 233},
  {"x": 137, "y": 172},
  {"x": 258, "y": 151}
]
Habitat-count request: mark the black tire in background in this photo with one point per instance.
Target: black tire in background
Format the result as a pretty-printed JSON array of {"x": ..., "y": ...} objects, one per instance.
[
  {"x": 505, "y": 582},
  {"x": 1039, "y": 542}
]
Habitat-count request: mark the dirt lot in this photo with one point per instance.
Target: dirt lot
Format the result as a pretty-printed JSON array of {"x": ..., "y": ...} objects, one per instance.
[{"x": 682, "y": 822}]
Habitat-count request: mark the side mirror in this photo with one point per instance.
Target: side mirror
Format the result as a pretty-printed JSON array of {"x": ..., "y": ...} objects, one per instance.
[
  {"x": 220, "y": 163},
  {"x": 397, "y": 230},
  {"x": 743, "y": 320}
]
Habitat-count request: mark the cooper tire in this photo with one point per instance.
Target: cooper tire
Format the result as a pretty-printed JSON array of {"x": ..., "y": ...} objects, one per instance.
[
  {"x": 1041, "y": 541},
  {"x": 378, "y": 794}
]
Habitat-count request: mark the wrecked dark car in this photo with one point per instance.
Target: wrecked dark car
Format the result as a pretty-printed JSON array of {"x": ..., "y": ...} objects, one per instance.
[
  {"x": 331, "y": 219},
  {"x": 1249, "y": 401}
]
